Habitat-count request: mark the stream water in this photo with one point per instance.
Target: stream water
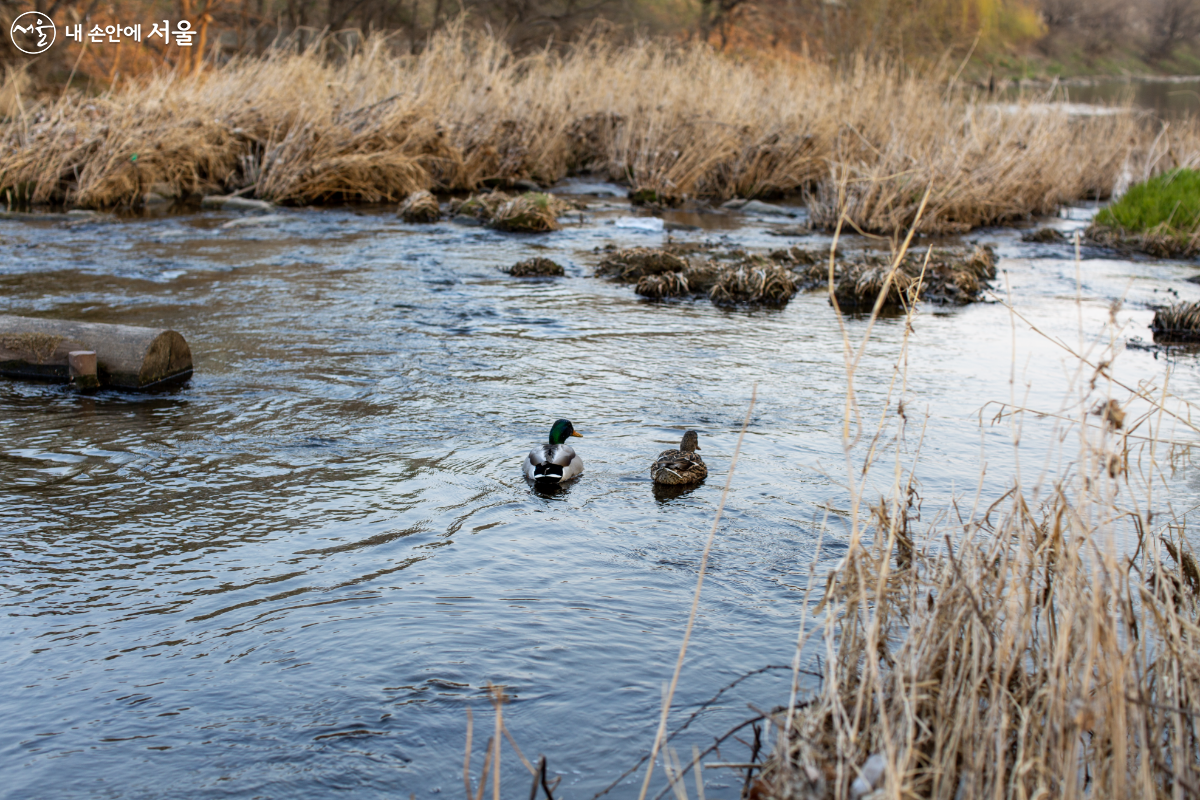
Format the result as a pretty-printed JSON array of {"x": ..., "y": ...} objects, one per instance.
[{"x": 295, "y": 575}]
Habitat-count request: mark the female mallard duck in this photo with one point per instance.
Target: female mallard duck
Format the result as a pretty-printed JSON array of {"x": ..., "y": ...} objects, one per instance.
[
  {"x": 555, "y": 462},
  {"x": 674, "y": 467}
]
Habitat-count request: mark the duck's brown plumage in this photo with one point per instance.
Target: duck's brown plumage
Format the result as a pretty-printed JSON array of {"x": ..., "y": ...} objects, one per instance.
[{"x": 674, "y": 467}]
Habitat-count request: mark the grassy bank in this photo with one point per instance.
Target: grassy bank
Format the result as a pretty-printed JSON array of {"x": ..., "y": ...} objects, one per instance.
[
  {"x": 680, "y": 121},
  {"x": 1160, "y": 216}
]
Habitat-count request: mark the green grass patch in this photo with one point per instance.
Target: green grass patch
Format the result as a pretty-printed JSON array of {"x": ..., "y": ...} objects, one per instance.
[{"x": 1167, "y": 204}]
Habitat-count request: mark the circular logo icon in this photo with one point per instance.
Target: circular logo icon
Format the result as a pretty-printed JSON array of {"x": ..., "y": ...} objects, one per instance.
[{"x": 33, "y": 32}]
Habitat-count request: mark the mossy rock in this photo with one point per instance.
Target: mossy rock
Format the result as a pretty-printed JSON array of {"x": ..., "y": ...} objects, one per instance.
[
  {"x": 536, "y": 267},
  {"x": 481, "y": 207},
  {"x": 532, "y": 212},
  {"x": 420, "y": 207}
]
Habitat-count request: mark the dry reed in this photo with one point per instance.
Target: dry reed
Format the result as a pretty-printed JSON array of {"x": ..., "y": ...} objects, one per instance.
[
  {"x": 672, "y": 121},
  {"x": 1045, "y": 644}
]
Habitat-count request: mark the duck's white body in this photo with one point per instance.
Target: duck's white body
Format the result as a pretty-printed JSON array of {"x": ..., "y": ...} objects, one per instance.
[{"x": 552, "y": 463}]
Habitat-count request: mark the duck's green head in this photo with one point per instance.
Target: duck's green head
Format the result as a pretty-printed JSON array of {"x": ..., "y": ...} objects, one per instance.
[{"x": 561, "y": 431}]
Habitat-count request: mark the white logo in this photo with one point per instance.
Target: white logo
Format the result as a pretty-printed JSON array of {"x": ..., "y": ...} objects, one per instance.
[{"x": 33, "y": 32}]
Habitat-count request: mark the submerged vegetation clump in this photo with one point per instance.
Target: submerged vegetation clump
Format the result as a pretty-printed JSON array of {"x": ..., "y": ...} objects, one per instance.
[
  {"x": 663, "y": 285},
  {"x": 632, "y": 264},
  {"x": 663, "y": 274},
  {"x": 754, "y": 282},
  {"x": 950, "y": 275},
  {"x": 478, "y": 207},
  {"x": 420, "y": 206},
  {"x": 1160, "y": 216},
  {"x": 536, "y": 267},
  {"x": 1177, "y": 323},
  {"x": 673, "y": 121}
]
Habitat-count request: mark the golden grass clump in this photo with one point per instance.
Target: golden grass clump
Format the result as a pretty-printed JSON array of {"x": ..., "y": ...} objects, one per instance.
[
  {"x": 753, "y": 282},
  {"x": 632, "y": 264},
  {"x": 420, "y": 206},
  {"x": 674, "y": 121},
  {"x": 536, "y": 267},
  {"x": 1177, "y": 323}
]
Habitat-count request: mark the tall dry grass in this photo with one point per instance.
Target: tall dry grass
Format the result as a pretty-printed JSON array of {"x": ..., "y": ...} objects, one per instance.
[
  {"x": 680, "y": 120},
  {"x": 1040, "y": 644}
]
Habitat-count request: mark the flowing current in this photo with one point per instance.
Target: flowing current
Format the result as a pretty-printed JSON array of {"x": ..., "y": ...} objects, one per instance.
[{"x": 296, "y": 574}]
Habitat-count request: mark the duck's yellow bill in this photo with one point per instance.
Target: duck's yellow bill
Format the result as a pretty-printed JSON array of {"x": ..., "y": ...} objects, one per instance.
[{"x": 580, "y": 435}]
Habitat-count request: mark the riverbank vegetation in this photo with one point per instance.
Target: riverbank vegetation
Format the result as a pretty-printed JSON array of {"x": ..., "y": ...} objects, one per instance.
[
  {"x": 1160, "y": 216},
  {"x": 679, "y": 120}
]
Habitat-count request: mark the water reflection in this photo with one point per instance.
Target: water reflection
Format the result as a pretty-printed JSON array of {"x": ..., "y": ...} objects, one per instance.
[
  {"x": 553, "y": 491},
  {"x": 665, "y": 493}
]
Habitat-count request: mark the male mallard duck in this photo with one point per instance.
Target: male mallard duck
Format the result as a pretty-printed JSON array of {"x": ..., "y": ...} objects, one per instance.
[
  {"x": 682, "y": 465},
  {"x": 555, "y": 462}
]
